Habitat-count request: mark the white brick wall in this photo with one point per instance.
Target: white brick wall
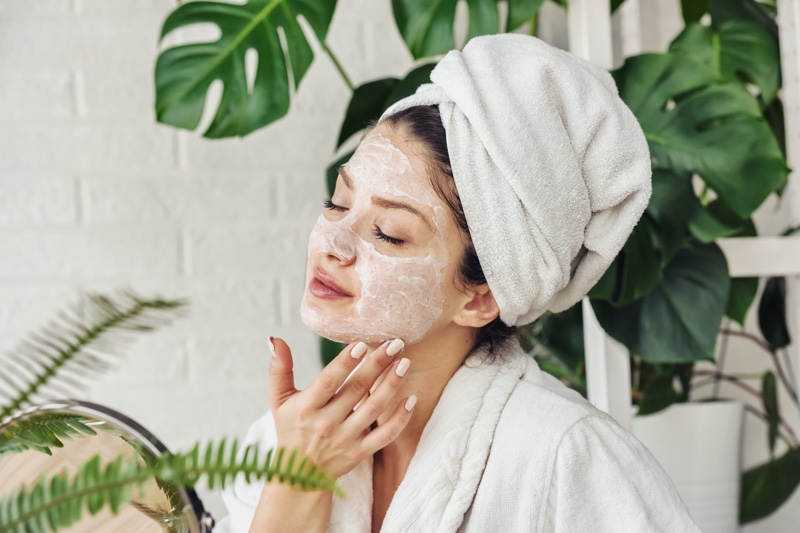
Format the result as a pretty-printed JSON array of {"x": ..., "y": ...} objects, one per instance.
[{"x": 95, "y": 195}]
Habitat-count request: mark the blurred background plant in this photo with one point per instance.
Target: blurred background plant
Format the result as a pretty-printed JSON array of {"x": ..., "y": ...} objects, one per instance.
[
  {"x": 710, "y": 110},
  {"x": 77, "y": 345}
]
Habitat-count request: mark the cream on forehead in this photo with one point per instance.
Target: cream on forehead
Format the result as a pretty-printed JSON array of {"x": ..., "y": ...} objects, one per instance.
[
  {"x": 383, "y": 168},
  {"x": 400, "y": 297}
]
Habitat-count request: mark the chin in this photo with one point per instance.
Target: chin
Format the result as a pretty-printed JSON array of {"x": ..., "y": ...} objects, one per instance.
[{"x": 342, "y": 325}]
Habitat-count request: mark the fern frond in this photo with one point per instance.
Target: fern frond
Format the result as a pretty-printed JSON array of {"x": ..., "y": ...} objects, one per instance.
[
  {"x": 42, "y": 432},
  {"x": 60, "y": 500},
  {"x": 65, "y": 352}
]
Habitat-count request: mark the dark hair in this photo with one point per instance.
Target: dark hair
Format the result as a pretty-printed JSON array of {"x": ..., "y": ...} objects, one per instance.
[{"x": 423, "y": 124}]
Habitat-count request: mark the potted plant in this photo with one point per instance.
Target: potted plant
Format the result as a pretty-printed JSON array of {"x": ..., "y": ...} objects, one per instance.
[{"x": 76, "y": 346}]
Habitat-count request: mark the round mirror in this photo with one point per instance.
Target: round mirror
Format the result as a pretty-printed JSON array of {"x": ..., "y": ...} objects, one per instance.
[{"x": 155, "y": 507}]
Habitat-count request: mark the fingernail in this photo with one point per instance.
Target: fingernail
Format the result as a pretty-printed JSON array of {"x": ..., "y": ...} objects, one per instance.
[
  {"x": 358, "y": 350},
  {"x": 394, "y": 347},
  {"x": 402, "y": 368},
  {"x": 272, "y": 345},
  {"x": 412, "y": 400}
]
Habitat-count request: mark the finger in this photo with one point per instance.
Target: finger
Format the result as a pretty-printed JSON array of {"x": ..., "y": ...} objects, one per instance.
[
  {"x": 374, "y": 386},
  {"x": 379, "y": 400},
  {"x": 335, "y": 374},
  {"x": 360, "y": 383},
  {"x": 386, "y": 433},
  {"x": 281, "y": 373}
]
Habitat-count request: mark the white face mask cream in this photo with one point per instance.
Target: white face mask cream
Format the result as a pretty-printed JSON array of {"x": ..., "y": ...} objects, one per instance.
[{"x": 400, "y": 296}]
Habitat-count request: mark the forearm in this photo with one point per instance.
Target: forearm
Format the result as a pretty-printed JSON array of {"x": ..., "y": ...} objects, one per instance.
[{"x": 285, "y": 509}]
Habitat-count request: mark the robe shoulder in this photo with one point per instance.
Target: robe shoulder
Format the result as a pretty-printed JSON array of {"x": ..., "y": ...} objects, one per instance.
[{"x": 559, "y": 464}]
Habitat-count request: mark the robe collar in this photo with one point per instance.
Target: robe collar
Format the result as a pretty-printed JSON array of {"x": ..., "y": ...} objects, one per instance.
[{"x": 444, "y": 473}]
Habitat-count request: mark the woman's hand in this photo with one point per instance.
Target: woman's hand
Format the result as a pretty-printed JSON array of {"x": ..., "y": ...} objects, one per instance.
[{"x": 320, "y": 421}]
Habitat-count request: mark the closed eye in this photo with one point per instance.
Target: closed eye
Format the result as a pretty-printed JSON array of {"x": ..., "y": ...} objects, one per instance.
[
  {"x": 332, "y": 206},
  {"x": 382, "y": 236}
]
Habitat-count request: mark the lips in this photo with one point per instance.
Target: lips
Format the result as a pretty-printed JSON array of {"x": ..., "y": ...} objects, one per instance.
[{"x": 323, "y": 286}]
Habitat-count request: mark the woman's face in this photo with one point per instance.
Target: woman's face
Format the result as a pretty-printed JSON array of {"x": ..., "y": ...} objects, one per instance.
[{"x": 382, "y": 257}]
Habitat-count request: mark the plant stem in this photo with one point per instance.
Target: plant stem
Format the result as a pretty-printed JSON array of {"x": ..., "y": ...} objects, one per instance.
[
  {"x": 338, "y": 66},
  {"x": 534, "y": 25},
  {"x": 753, "y": 411},
  {"x": 747, "y": 388},
  {"x": 778, "y": 367},
  {"x": 723, "y": 351}
]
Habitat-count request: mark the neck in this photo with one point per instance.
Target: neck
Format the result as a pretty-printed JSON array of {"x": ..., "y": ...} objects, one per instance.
[{"x": 434, "y": 360}]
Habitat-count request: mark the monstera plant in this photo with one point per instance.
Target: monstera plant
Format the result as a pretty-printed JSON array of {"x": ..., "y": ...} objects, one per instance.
[{"x": 709, "y": 109}]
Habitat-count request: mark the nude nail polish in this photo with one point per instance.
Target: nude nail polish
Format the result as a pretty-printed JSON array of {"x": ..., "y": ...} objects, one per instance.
[
  {"x": 358, "y": 350},
  {"x": 412, "y": 400},
  {"x": 272, "y": 345},
  {"x": 402, "y": 367},
  {"x": 394, "y": 347}
]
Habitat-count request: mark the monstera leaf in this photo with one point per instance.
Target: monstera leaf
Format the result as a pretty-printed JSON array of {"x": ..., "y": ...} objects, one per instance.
[
  {"x": 678, "y": 321},
  {"x": 739, "y": 50},
  {"x": 371, "y": 99},
  {"x": 695, "y": 124},
  {"x": 184, "y": 73},
  {"x": 427, "y": 25}
]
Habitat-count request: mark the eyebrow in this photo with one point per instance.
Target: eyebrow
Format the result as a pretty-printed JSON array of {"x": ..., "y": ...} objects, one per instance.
[{"x": 383, "y": 202}]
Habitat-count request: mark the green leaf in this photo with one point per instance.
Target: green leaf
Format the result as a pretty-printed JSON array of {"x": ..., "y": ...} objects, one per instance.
[
  {"x": 371, "y": 99},
  {"x": 658, "y": 395},
  {"x": 184, "y": 73},
  {"x": 672, "y": 206},
  {"x": 521, "y": 12},
  {"x": 769, "y": 393},
  {"x": 694, "y": 124},
  {"x": 768, "y": 486},
  {"x": 638, "y": 263},
  {"x": 366, "y": 105},
  {"x": 679, "y": 320},
  {"x": 772, "y": 313},
  {"x": 723, "y": 11},
  {"x": 693, "y": 10},
  {"x": 329, "y": 350},
  {"x": 41, "y": 432},
  {"x": 738, "y": 50},
  {"x": 427, "y": 25},
  {"x": 332, "y": 172},
  {"x": 740, "y": 297},
  {"x": 717, "y": 220},
  {"x": 64, "y": 497},
  {"x": 94, "y": 322}
]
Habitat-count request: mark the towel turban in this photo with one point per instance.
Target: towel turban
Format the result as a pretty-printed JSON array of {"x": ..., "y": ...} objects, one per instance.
[{"x": 551, "y": 166}]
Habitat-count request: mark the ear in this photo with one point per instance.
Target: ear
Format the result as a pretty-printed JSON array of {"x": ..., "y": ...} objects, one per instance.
[{"x": 479, "y": 309}]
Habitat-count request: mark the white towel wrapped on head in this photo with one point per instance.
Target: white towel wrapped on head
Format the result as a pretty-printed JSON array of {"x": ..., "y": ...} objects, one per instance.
[{"x": 552, "y": 168}]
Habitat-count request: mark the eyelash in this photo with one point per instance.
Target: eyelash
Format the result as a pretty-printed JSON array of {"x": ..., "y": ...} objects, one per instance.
[
  {"x": 332, "y": 206},
  {"x": 375, "y": 231},
  {"x": 382, "y": 236}
]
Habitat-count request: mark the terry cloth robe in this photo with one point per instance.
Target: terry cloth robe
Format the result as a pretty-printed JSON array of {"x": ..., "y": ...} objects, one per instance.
[{"x": 508, "y": 448}]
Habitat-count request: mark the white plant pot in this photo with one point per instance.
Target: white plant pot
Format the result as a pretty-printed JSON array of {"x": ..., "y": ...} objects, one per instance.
[{"x": 699, "y": 445}]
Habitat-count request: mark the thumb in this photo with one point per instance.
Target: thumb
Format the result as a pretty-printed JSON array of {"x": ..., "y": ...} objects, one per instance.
[{"x": 281, "y": 376}]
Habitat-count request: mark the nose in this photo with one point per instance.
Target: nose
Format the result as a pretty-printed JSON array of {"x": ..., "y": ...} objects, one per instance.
[{"x": 342, "y": 245}]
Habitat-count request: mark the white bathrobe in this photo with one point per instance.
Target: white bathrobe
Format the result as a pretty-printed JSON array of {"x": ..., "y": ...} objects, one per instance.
[{"x": 507, "y": 448}]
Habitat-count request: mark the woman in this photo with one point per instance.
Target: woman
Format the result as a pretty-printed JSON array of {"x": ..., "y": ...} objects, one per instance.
[{"x": 500, "y": 191}]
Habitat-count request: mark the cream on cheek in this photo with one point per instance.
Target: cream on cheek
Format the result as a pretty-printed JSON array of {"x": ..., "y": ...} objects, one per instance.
[{"x": 400, "y": 297}]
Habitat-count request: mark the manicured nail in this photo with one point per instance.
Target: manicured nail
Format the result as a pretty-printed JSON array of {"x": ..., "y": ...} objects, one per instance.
[
  {"x": 358, "y": 350},
  {"x": 402, "y": 367},
  {"x": 272, "y": 345},
  {"x": 394, "y": 347},
  {"x": 412, "y": 400}
]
